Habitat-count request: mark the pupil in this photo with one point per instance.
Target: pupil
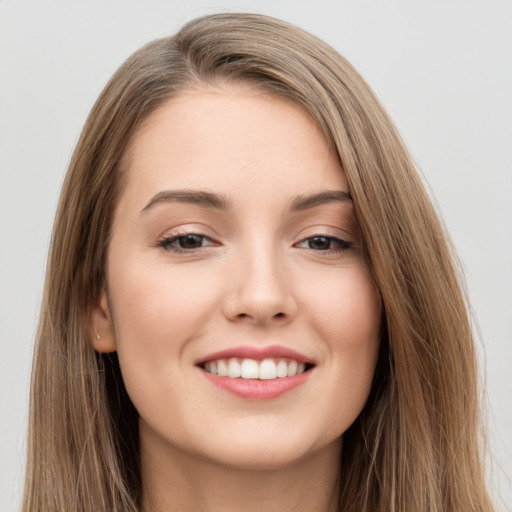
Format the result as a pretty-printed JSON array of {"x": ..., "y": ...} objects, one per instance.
[
  {"x": 319, "y": 242},
  {"x": 190, "y": 241}
]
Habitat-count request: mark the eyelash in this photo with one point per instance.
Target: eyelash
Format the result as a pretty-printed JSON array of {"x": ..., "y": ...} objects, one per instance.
[
  {"x": 341, "y": 244},
  {"x": 166, "y": 243}
]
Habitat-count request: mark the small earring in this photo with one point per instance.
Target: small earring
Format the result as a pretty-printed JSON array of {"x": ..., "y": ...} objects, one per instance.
[{"x": 98, "y": 336}]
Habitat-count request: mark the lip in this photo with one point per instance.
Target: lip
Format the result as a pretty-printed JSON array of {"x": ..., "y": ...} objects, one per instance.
[
  {"x": 257, "y": 353},
  {"x": 255, "y": 389}
]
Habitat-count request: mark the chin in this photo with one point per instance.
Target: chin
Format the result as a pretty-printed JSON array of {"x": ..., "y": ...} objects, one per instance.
[{"x": 269, "y": 451}]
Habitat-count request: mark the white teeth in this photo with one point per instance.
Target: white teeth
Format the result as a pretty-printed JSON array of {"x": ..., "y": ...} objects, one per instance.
[
  {"x": 282, "y": 369},
  {"x": 249, "y": 369},
  {"x": 292, "y": 368},
  {"x": 222, "y": 369},
  {"x": 267, "y": 369},
  {"x": 233, "y": 368}
]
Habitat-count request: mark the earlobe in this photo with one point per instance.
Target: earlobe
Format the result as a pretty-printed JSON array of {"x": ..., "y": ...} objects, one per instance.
[{"x": 103, "y": 338}]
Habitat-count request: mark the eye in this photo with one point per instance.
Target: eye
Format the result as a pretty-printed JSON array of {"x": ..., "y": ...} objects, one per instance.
[
  {"x": 186, "y": 242},
  {"x": 325, "y": 243}
]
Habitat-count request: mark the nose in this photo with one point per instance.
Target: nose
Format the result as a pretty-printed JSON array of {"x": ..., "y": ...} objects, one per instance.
[{"x": 259, "y": 290}]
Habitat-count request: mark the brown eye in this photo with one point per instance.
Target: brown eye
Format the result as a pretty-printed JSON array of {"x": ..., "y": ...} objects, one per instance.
[
  {"x": 190, "y": 241},
  {"x": 187, "y": 242},
  {"x": 324, "y": 243},
  {"x": 319, "y": 243}
]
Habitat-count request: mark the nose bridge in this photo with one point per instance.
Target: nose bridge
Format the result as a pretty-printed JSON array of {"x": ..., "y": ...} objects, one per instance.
[{"x": 260, "y": 289}]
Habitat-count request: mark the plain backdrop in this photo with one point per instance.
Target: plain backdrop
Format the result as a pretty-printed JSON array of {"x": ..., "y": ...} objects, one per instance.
[{"x": 443, "y": 69}]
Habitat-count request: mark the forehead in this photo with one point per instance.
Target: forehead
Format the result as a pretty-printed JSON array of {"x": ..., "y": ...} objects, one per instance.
[{"x": 235, "y": 139}]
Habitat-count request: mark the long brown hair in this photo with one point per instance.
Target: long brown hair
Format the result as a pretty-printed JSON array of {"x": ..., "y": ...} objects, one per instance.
[{"x": 416, "y": 445}]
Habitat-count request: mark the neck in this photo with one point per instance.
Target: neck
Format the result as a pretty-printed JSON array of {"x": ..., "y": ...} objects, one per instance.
[{"x": 175, "y": 480}]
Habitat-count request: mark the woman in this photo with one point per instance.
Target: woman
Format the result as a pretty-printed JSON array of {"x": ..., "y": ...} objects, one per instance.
[{"x": 250, "y": 303}]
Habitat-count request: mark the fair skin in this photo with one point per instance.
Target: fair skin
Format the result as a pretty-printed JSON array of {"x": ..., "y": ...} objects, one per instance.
[{"x": 250, "y": 267}]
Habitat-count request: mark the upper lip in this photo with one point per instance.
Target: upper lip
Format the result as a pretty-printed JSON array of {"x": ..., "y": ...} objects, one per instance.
[{"x": 258, "y": 353}]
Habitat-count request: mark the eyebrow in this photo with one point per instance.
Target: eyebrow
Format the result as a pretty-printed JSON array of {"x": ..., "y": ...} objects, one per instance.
[
  {"x": 305, "y": 202},
  {"x": 207, "y": 199},
  {"x": 197, "y": 197}
]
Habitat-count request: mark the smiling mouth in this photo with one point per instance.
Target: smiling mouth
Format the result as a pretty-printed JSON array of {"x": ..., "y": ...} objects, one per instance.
[{"x": 253, "y": 369}]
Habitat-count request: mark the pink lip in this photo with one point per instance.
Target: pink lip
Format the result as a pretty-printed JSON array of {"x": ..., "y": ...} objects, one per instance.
[
  {"x": 258, "y": 353},
  {"x": 254, "y": 389}
]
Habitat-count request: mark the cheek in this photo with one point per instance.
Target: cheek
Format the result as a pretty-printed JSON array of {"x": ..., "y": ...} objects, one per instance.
[
  {"x": 150, "y": 298},
  {"x": 156, "y": 310},
  {"x": 356, "y": 330},
  {"x": 347, "y": 314},
  {"x": 346, "y": 308}
]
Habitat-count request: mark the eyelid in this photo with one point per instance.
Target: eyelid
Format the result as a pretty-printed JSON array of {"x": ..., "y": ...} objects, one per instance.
[
  {"x": 341, "y": 240},
  {"x": 165, "y": 241},
  {"x": 343, "y": 244},
  {"x": 327, "y": 230},
  {"x": 192, "y": 227}
]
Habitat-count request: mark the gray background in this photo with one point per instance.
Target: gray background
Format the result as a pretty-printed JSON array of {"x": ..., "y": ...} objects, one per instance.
[{"x": 443, "y": 69}]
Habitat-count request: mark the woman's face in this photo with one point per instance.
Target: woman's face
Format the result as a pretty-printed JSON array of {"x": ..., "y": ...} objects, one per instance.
[{"x": 235, "y": 249}]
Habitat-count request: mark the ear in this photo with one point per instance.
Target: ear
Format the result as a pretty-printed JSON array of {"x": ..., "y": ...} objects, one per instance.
[{"x": 103, "y": 338}]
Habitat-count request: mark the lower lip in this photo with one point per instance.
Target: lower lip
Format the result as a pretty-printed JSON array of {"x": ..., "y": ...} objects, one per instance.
[{"x": 256, "y": 389}]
